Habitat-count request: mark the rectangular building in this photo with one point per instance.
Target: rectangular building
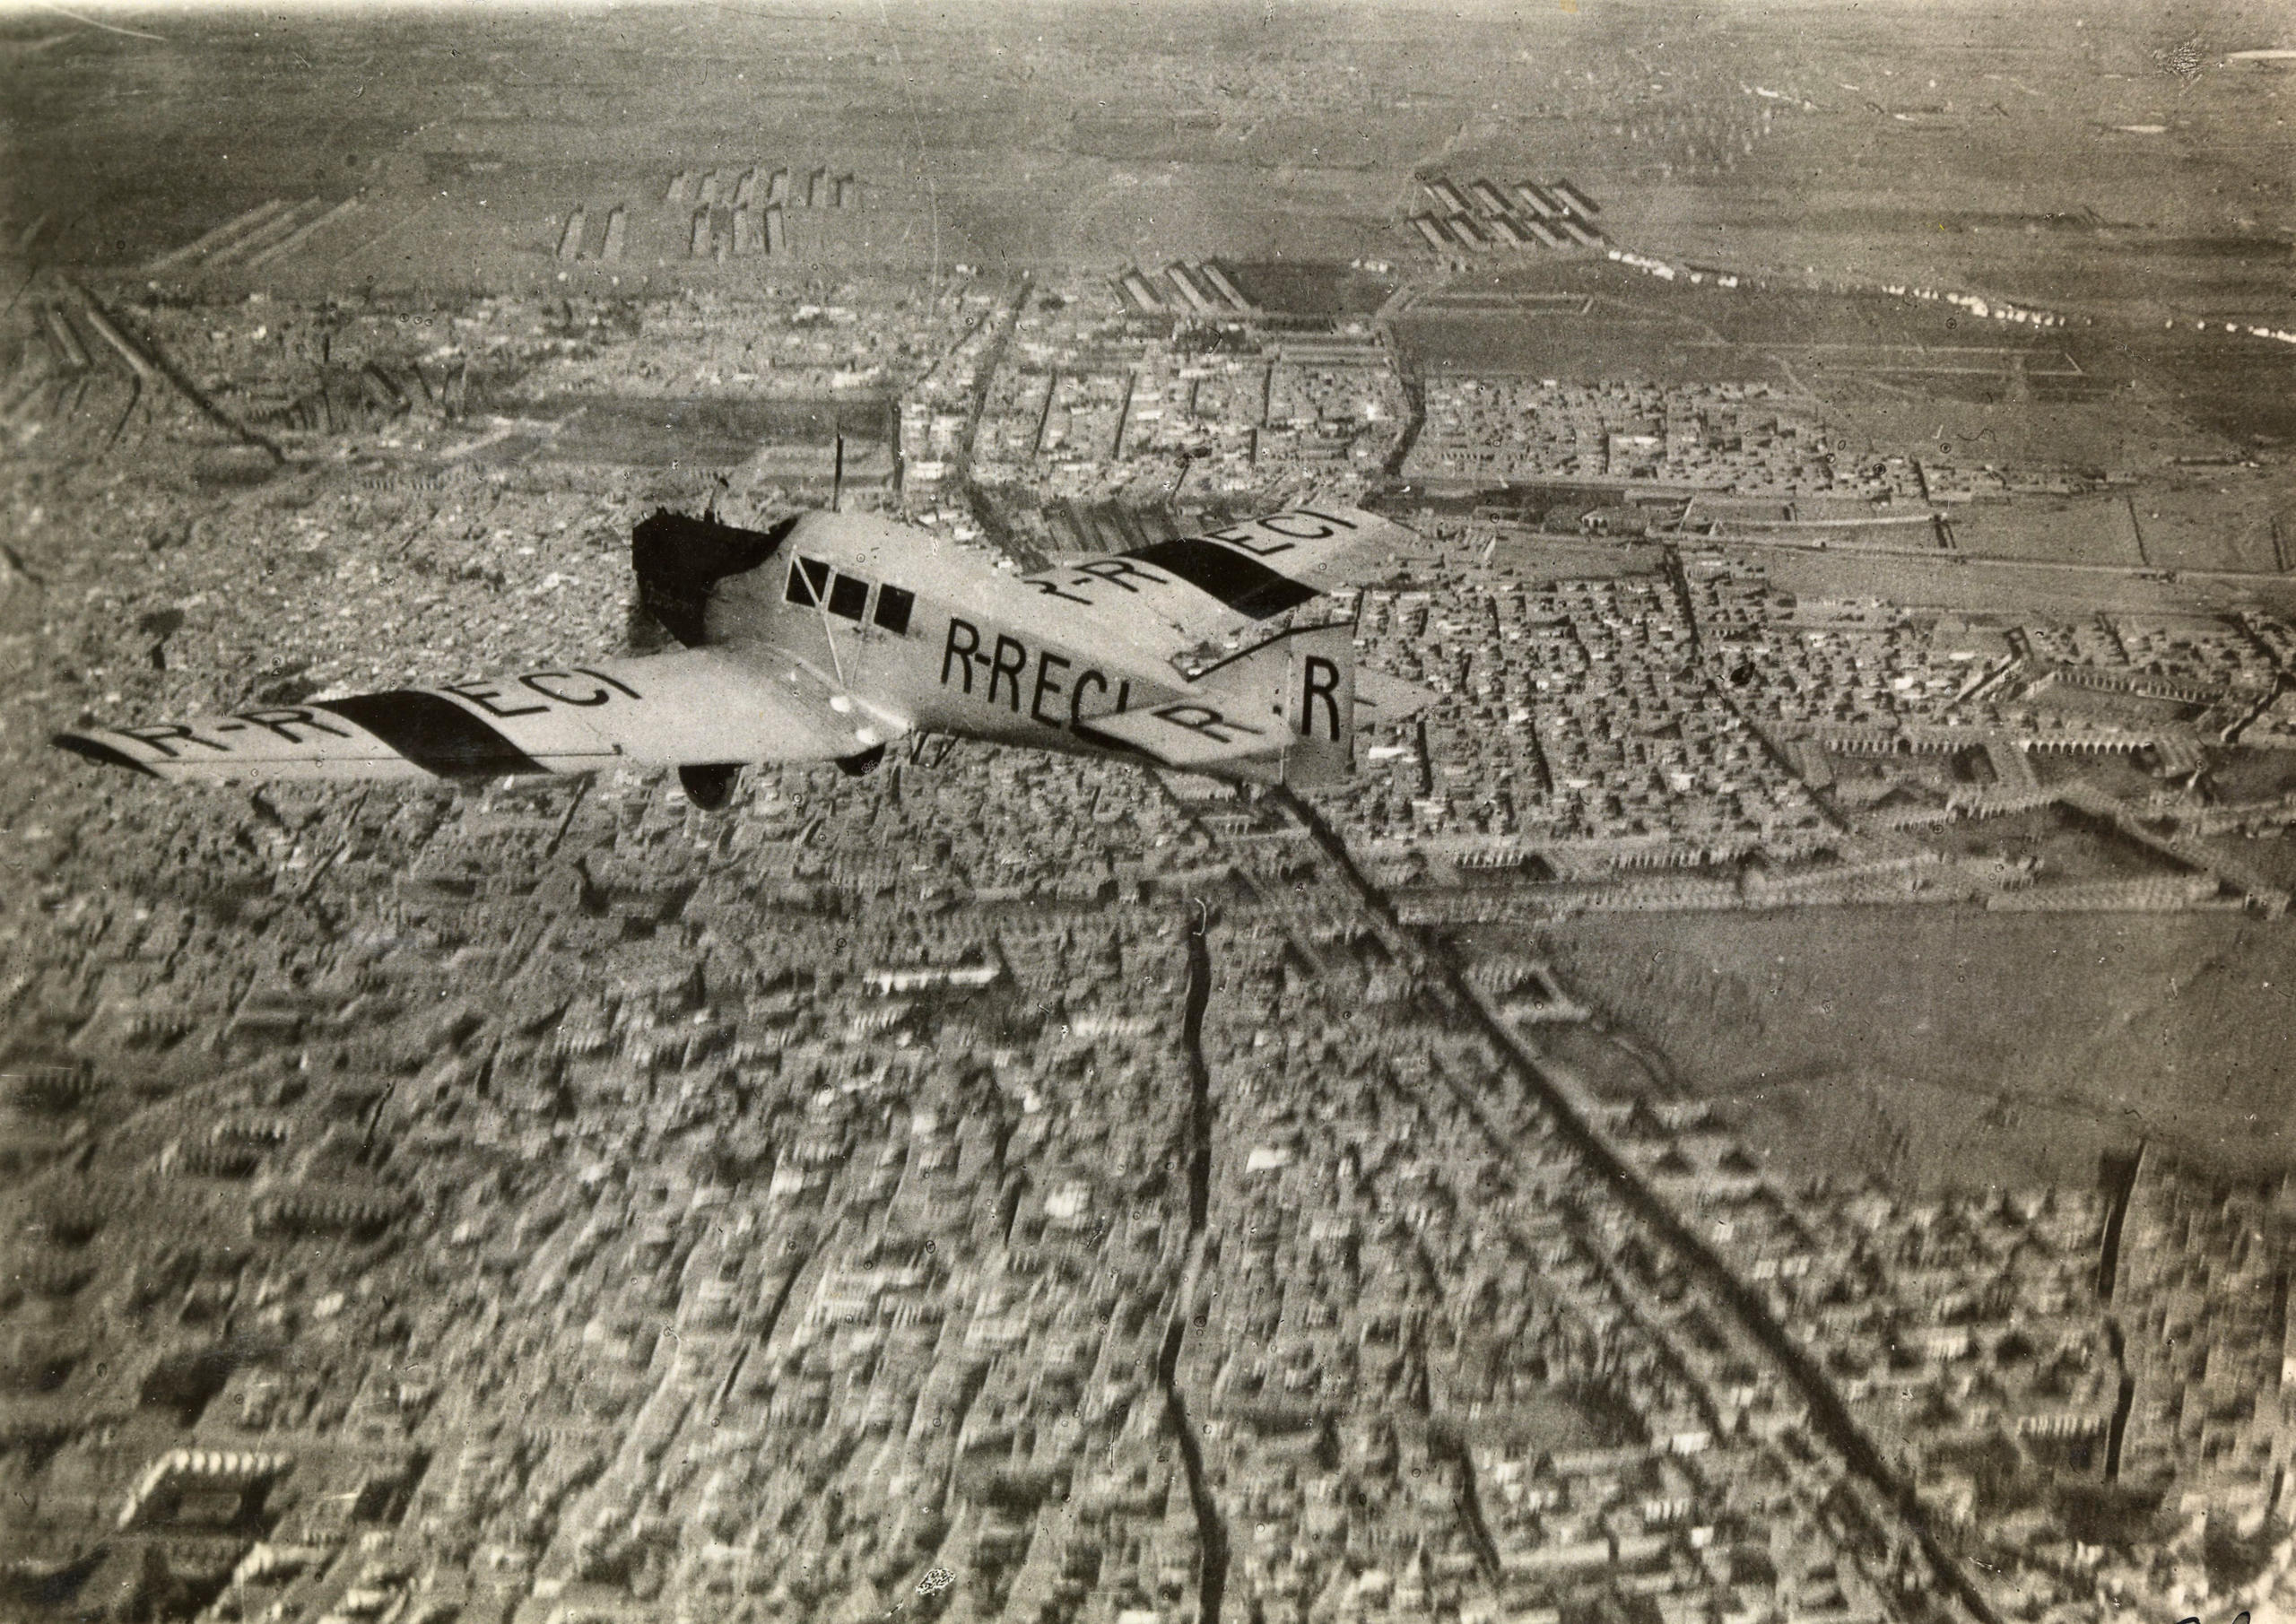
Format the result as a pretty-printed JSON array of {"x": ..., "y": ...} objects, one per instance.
[
  {"x": 1178, "y": 277},
  {"x": 1537, "y": 202},
  {"x": 1577, "y": 201},
  {"x": 1228, "y": 290},
  {"x": 1136, "y": 285},
  {"x": 71, "y": 354},
  {"x": 1487, "y": 197}
]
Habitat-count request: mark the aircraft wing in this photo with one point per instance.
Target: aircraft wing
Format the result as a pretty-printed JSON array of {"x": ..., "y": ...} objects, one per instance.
[
  {"x": 1170, "y": 597},
  {"x": 692, "y": 707}
]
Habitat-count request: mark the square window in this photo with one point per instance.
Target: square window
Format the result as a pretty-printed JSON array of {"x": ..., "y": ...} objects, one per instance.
[
  {"x": 893, "y": 605},
  {"x": 848, "y": 597},
  {"x": 807, "y": 578}
]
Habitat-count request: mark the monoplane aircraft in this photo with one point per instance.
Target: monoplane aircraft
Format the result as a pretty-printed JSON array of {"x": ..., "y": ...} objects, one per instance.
[{"x": 830, "y": 635}]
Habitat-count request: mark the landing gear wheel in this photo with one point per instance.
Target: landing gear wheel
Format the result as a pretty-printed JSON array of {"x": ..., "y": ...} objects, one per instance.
[{"x": 710, "y": 784}]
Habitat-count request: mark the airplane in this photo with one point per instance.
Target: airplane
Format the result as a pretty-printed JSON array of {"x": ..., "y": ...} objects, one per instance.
[{"x": 830, "y": 636}]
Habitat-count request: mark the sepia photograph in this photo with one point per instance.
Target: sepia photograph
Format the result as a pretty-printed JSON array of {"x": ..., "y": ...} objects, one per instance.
[{"x": 1147, "y": 811}]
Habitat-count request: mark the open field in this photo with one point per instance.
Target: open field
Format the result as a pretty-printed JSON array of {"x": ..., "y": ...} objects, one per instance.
[
  {"x": 1084, "y": 135},
  {"x": 2063, "y": 530},
  {"x": 1539, "y": 558},
  {"x": 1987, "y": 1048},
  {"x": 2003, "y": 1048},
  {"x": 1605, "y": 343},
  {"x": 1971, "y": 586}
]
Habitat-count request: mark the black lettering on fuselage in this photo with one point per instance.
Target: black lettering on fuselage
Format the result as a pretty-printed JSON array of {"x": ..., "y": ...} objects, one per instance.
[
  {"x": 1119, "y": 572},
  {"x": 158, "y": 735},
  {"x": 1076, "y": 694},
  {"x": 1045, "y": 661},
  {"x": 1319, "y": 681},
  {"x": 483, "y": 695},
  {"x": 281, "y": 721},
  {"x": 960, "y": 655},
  {"x": 1051, "y": 589},
  {"x": 1002, "y": 669}
]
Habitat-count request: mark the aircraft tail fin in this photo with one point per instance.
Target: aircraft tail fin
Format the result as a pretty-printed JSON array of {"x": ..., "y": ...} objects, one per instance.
[{"x": 1303, "y": 682}]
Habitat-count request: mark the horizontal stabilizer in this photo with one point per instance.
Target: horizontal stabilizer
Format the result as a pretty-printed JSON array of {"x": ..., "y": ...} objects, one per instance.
[
  {"x": 1281, "y": 712},
  {"x": 1191, "y": 736},
  {"x": 1381, "y": 699}
]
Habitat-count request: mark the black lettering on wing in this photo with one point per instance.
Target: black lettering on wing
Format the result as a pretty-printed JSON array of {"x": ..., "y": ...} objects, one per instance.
[
  {"x": 484, "y": 694},
  {"x": 283, "y": 723},
  {"x": 1299, "y": 524},
  {"x": 158, "y": 735},
  {"x": 608, "y": 681},
  {"x": 538, "y": 683},
  {"x": 1119, "y": 572},
  {"x": 1202, "y": 720},
  {"x": 1241, "y": 539}
]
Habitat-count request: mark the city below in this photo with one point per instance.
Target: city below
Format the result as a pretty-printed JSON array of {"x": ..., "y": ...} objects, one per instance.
[{"x": 1764, "y": 1103}]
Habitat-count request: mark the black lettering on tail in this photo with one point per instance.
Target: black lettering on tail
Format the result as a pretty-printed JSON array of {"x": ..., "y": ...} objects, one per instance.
[{"x": 1320, "y": 682}]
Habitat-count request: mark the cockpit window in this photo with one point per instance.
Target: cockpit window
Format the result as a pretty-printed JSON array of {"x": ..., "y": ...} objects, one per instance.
[
  {"x": 807, "y": 579},
  {"x": 848, "y": 597},
  {"x": 893, "y": 605}
]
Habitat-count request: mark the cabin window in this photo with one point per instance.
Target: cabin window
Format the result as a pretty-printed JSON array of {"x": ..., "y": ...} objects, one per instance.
[
  {"x": 808, "y": 577},
  {"x": 848, "y": 597},
  {"x": 893, "y": 605}
]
